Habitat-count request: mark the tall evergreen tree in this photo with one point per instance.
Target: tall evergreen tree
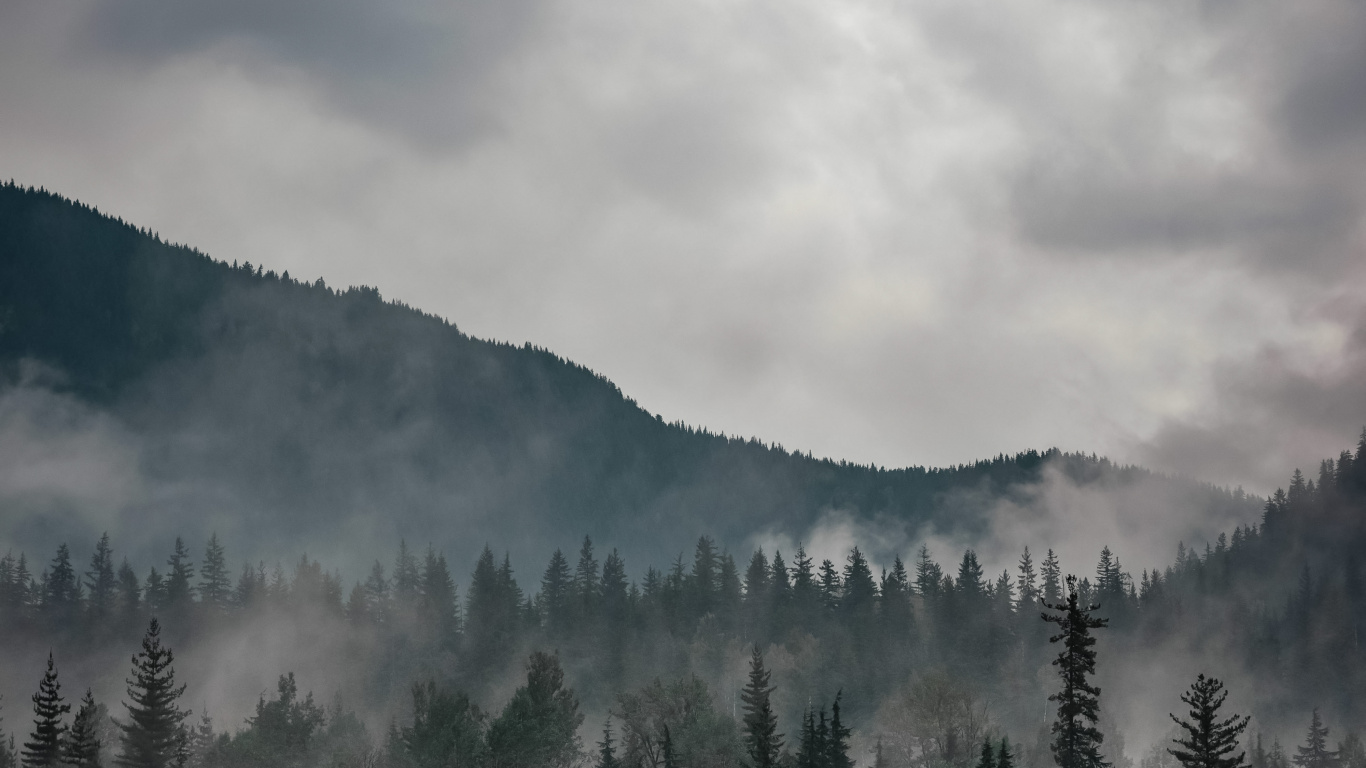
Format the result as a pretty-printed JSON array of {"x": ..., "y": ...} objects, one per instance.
[
  {"x": 82, "y": 748},
  {"x": 1029, "y": 591},
  {"x": 837, "y": 739},
  {"x": 179, "y": 577},
  {"x": 607, "y": 754},
  {"x": 537, "y": 728},
  {"x": 62, "y": 590},
  {"x": 1004, "y": 757},
  {"x": 44, "y": 746},
  {"x": 1314, "y": 753},
  {"x": 100, "y": 583},
  {"x": 215, "y": 583},
  {"x": 1208, "y": 741},
  {"x": 1051, "y": 574},
  {"x": 762, "y": 739},
  {"x": 557, "y": 586},
  {"x": 1076, "y": 739},
  {"x": 987, "y": 757},
  {"x": 153, "y": 735}
]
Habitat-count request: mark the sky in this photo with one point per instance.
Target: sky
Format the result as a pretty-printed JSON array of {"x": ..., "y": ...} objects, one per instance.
[{"x": 899, "y": 233}]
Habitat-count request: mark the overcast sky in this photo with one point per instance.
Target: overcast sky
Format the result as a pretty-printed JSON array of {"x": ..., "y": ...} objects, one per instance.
[{"x": 894, "y": 232}]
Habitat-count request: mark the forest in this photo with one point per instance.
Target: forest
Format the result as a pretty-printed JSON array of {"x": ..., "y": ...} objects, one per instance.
[{"x": 770, "y": 659}]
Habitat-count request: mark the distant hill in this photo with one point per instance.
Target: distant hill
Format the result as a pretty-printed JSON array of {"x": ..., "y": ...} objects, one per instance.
[{"x": 290, "y": 416}]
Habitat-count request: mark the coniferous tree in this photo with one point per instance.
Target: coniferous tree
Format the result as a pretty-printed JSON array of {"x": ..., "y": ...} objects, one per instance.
[
  {"x": 1314, "y": 753},
  {"x": 82, "y": 748},
  {"x": 153, "y": 735},
  {"x": 557, "y": 586},
  {"x": 987, "y": 757},
  {"x": 607, "y": 755},
  {"x": 762, "y": 739},
  {"x": 100, "y": 583},
  {"x": 44, "y": 746},
  {"x": 1209, "y": 741},
  {"x": 62, "y": 591},
  {"x": 811, "y": 749},
  {"x": 129, "y": 591},
  {"x": 215, "y": 584},
  {"x": 1076, "y": 739},
  {"x": 1029, "y": 591},
  {"x": 537, "y": 728},
  {"x": 1051, "y": 574},
  {"x": 179, "y": 584},
  {"x": 837, "y": 739},
  {"x": 1004, "y": 757}
]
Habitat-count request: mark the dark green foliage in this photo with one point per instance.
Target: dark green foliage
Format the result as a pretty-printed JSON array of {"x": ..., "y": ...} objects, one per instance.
[
  {"x": 837, "y": 739},
  {"x": 1208, "y": 741},
  {"x": 153, "y": 735},
  {"x": 61, "y": 589},
  {"x": 537, "y": 728},
  {"x": 987, "y": 759},
  {"x": 1004, "y": 757},
  {"x": 215, "y": 583},
  {"x": 82, "y": 746},
  {"x": 43, "y": 749},
  {"x": 1076, "y": 740},
  {"x": 447, "y": 729},
  {"x": 762, "y": 740},
  {"x": 100, "y": 584},
  {"x": 607, "y": 753},
  {"x": 179, "y": 584},
  {"x": 1314, "y": 752}
]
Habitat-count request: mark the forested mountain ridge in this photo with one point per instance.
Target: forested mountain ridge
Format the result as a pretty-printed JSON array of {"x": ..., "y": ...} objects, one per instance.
[{"x": 261, "y": 406}]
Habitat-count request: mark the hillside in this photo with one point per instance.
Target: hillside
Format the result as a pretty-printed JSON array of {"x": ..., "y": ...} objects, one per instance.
[{"x": 270, "y": 409}]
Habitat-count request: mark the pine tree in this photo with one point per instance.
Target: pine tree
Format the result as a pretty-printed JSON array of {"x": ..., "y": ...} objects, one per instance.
[
  {"x": 215, "y": 584},
  {"x": 811, "y": 749},
  {"x": 153, "y": 736},
  {"x": 837, "y": 740},
  {"x": 1076, "y": 740},
  {"x": 537, "y": 728},
  {"x": 129, "y": 591},
  {"x": 179, "y": 577},
  {"x": 556, "y": 599},
  {"x": 987, "y": 758},
  {"x": 1004, "y": 758},
  {"x": 1051, "y": 574},
  {"x": 1208, "y": 741},
  {"x": 1314, "y": 753},
  {"x": 586, "y": 582},
  {"x": 762, "y": 739},
  {"x": 62, "y": 591},
  {"x": 100, "y": 582},
  {"x": 82, "y": 748},
  {"x": 1028, "y": 591},
  {"x": 607, "y": 755},
  {"x": 44, "y": 746},
  {"x": 439, "y": 606},
  {"x": 407, "y": 582}
]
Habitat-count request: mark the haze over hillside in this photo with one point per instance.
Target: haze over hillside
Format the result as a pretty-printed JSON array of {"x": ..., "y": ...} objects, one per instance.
[{"x": 149, "y": 387}]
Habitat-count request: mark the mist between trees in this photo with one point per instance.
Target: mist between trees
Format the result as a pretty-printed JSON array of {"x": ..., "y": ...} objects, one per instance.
[{"x": 927, "y": 662}]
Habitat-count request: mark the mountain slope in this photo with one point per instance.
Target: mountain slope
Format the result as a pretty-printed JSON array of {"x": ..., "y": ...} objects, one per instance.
[{"x": 287, "y": 415}]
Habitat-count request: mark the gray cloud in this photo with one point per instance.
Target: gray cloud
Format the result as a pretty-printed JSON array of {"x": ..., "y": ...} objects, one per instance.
[{"x": 920, "y": 234}]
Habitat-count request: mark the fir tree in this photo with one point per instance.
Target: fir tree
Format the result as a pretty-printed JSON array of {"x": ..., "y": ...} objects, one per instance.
[
  {"x": 1028, "y": 591},
  {"x": 100, "y": 582},
  {"x": 179, "y": 577},
  {"x": 1314, "y": 753},
  {"x": 556, "y": 594},
  {"x": 537, "y": 728},
  {"x": 215, "y": 584},
  {"x": 1208, "y": 741},
  {"x": 1051, "y": 574},
  {"x": 987, "y": 758},
  {"x": 837, "y": 739},
  {"x": 153, "y": 736},
  {"x": 44, "y": 746},
  {"x": 62, "y": 591},
  {"x": 762, "y": 739},
  {"x": 607, "y": 755},
  {"x": 1076, "y": 740},
  {"x": 1004, "y": 757},
  {"x": 82, "y": 748}
]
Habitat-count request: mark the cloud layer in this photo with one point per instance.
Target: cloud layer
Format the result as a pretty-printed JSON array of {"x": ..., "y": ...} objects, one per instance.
[{"x": 902, "y": 234}]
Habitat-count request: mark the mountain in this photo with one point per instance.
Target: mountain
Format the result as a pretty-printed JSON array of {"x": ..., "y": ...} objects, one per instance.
[{"x": 287, "y": 416}]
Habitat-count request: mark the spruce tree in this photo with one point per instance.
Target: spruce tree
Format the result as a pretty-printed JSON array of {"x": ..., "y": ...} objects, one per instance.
[
  {"x": 215, "y": 583},
  {"x": 1209, "y": 741},
  {"x": 153, "y": 736},
  {"x": 179, "y": 576},
  {"x": 987, "y": 757},
  {"x": 1004, "y": 758},
  {"x": 82, "y": 748},
  {"x": 607, "y": 755},
  {"x": 62, "y": 591},
  {"x": 99, "y": 580},
  {"x": 1314, "y": 753},
  {"x": 811, "y": 748},
  {"x": 1076, "y": 739},
  {"x": 44, "y": 746},
  {"x": 837, "y": 739},
  {"x": 762, "y": 739}
]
